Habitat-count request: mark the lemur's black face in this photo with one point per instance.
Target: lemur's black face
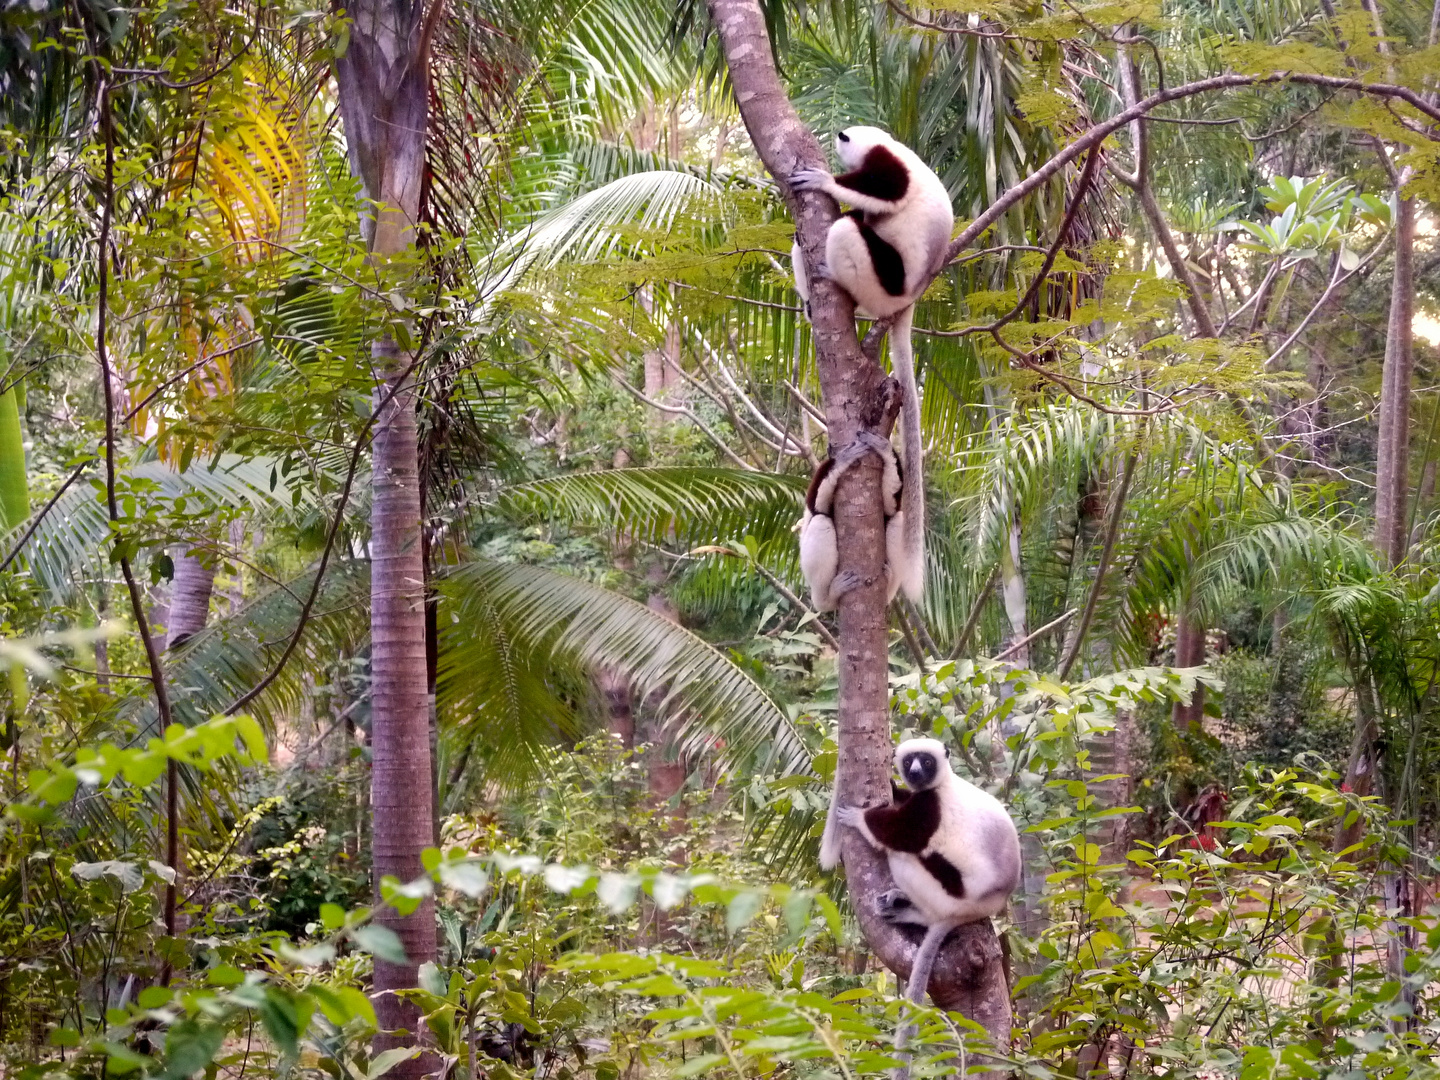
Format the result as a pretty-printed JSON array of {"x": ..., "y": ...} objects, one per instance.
[{"x": 920, "y": 770}]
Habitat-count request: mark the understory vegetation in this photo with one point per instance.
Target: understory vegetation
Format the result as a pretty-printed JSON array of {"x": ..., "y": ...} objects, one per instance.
[{"x": 400, "y": 606}]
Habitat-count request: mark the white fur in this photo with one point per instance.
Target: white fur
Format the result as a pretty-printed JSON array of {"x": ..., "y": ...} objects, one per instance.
[
  {"x": 819, "y": 558},
  {"x": 975, "y": 835},
  {"x": 918, "y": 226}
]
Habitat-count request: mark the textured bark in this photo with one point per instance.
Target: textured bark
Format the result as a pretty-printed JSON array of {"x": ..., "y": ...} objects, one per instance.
[
  {"x": 1392, "y": 473},
  {"x": 189, "y": 598},
  {"x": 383, "y": 87},
  {"x": 1189, "y": 652},
  {"x": 969, "y": 975},
  {"x": 400, "y": 790}
]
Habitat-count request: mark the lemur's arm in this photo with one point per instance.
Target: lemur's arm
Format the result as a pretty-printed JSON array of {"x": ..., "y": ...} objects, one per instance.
[
  {"x": 907, "y": 826},
  {"x": 864, "y": 189}
]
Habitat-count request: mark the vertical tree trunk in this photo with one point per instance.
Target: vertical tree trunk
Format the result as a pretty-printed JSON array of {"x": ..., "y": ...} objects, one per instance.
[
  {"x": 383, "y": 82},
  {"x": 1392, "y": 473},
  {"x": 1189, "y": 652},
  {"x": 1012, "y": 591},
  {"x": 102, "y": 647},
  {"x": 400, "y": 792},
  {"x": 189, "y": 598},
  {"x": 969, "y": 975}
]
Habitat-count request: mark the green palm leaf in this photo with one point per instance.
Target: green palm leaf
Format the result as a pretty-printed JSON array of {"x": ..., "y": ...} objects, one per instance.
[
  {"x": 506, "y": 619},
  {"x": 666, "y": 504},
  {"x": 69, "y": 542}
]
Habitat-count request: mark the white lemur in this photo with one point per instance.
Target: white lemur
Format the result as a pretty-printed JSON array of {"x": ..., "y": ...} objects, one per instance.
[
  {"x": 883, "y": 253},
  {"x": 952, "y": 848},
  {"x": 819, "y": 553}
]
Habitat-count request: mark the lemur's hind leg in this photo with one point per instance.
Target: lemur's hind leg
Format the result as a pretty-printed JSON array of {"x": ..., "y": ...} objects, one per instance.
[{"x": 896, "y": 907}]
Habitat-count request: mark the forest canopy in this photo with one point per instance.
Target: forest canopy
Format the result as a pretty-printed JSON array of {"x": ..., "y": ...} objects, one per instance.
[{"x": 408, "y": 417}]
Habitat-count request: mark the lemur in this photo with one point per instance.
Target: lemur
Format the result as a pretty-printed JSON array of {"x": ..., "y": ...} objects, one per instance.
[
  {"x": 883, "y": 253},
  {"x": 953, "y": 851}
]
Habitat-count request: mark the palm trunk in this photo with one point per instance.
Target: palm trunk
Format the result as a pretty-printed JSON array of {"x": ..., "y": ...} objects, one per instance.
[
  {"x": 1189, "y": 652},
  {"x": 400, "y": 790},
  {"x": 1392, "y": 473},
  {"x": 189, "y": 598},
  {"x": 383, "y": 89}
]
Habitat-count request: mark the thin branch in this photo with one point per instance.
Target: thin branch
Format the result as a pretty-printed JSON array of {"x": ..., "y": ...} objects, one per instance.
[
  {"x": 137, "y": 606},
  {"x": 39, "y": 517},
  {"x": 776, "y": 584},
  {"x": 681, "y": 410},
  {"x": 1336, "y": 280},
  {"x": 964, "y": 31},
  {"x": 1107, "y": 551},
  {"x": 1103, "y": 130},
  {"x": 1053, "y": 624},
  {"x": 976, "y": 610}
]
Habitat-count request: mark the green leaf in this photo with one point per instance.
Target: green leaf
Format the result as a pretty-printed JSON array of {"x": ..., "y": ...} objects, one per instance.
[
  {"x": 388, "y": 1059},
  {"x": 332, "y": 916},
  {"x": 380, "y": 941},
  {"x": 743, "y": 907},
  {"x": 701, "y": 1064}
]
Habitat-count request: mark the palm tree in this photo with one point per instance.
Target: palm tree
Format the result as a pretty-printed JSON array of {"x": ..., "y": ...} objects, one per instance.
[{"x": 384, "y": 87}]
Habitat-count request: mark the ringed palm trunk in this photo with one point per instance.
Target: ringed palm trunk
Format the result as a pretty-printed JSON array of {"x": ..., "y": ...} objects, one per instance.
[
  {"x": 1189, "y": 652},
  {"x": 383, "y": 86},
  {"x": 189, "y": 599},
  {"x": 1392, "y": 458}
]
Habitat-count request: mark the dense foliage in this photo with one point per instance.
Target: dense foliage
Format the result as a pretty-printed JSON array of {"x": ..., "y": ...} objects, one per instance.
[{"x": 1183, "y": 599}]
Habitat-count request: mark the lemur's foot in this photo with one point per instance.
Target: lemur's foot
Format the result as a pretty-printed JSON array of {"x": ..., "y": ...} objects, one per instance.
[
  {"x": 875, "y": 444},
  {"x": 895, "y": 907},
  {"x": 809, "y": 179},
  {"x": 843, "y": 583}
]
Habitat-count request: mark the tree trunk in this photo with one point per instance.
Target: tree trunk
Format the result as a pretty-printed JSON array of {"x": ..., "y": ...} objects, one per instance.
[
  {"x": 1189, "y": 652},
  {"x": 383, "y": 87},
  {"x": 969, "y": 975},
  {"x": 189, "y": 598},
  {"x": 1392, "y": 458}
]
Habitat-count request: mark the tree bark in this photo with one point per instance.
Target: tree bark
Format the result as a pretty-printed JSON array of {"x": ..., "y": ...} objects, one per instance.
[
  {"x": 383, "y": 85},
  {"x": 1392, "y": 458},
  {"x": 1189, "y": 652},
  {"x": 969, "y": 975},
  {"x": 189, "y": 598}
]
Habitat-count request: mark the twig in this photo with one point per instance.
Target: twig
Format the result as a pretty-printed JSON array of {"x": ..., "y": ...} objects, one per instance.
[
  {"x": 1103, "y": 130},
  {"x": 682, "y": 410},
  {"x": 910, "y": 641},
  {"x": 1112, "y": 531},
  {"x": 976, "y": 609},
  {"x": 1053, "y": 624},
  {"x": 38, "y": 518},
  {"x": 775, "y": 583}
]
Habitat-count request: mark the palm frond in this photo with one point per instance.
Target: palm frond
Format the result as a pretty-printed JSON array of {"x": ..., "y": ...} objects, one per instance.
[
  {"x": 520, "y": 614},
  {"x": 69, "y": 542},
  {"x": 666, "y": 504}
]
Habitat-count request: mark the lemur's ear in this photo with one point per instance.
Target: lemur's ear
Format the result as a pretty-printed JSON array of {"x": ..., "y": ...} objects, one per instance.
[{"x": 946, "y": 749}]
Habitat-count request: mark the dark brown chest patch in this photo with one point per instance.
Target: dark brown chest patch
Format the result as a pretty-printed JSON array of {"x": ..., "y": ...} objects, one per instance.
[
  {"x": 907, "y": 826},
  {"x": 816, "y": 494},
  {"x": 889, "y": 266},
  {"x": 943, "y": 871},
  {"x": 881, "y": 175}
]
